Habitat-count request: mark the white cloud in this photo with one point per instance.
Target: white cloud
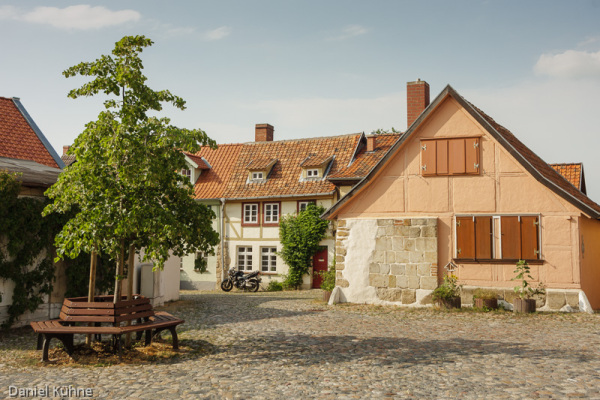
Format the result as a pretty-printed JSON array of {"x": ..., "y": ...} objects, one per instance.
[
  {"x": 350, "y": 31},
  {"x": 218, "y": 34},
  {"x": 570, "y": 64},
  {"x": 80, "y": 17}
]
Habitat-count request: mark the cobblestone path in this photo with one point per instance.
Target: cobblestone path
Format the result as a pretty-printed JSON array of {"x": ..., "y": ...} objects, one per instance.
[{"x": 289, "y": 345}]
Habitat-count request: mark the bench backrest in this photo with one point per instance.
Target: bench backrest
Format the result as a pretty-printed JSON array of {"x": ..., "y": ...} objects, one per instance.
[{"x": 104, "y": 310}]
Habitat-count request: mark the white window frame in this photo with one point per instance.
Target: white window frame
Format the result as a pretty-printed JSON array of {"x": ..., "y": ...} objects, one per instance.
[
  {"x": 244, "y": 258},
  {"x": 253, "y": 217},
  {"x": 258, "y": 176},
  {"x": 312, "y": 173},
  {"x": 268, "y": 259},
  {"x": 187, "y": 173},
  {"x": 269, "y": 213}
]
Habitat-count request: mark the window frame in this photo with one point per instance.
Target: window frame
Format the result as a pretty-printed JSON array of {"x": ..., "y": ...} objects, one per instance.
[
  {"x": 497, "y": 243},
  {"x": 314, "y": 171},
  {"x": 258, "y": 215},
  {"x": 300, "y": 202},
  {"x": 257, "y": 178},
  {"x": 186, "y": 172},
  {"x": 271, "y": 260},
  {"x": 264, "y": 209},
  {"x": 246, "y": 253}
]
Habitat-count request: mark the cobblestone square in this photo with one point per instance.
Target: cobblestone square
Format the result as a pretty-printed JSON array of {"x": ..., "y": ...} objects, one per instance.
[{"x": 292, "y": 345}]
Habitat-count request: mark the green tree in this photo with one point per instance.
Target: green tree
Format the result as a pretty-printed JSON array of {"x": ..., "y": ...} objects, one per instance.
[
  {"x": 300, "y": 235},
  {"x": 125, "y": 187},
  {"x": 381, "y": 131}
]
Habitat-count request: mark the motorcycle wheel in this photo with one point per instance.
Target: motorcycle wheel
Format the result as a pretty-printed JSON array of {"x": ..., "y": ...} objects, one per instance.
[
  {"x": 252, "y": 285},
  {"x": 226, "y": 285}
]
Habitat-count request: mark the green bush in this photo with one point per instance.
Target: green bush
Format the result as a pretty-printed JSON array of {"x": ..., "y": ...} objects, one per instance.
[
  {"x": 448, "y": 289},
  {"x": 275, "y": 286},
  {"x": 328, "y": 279}
]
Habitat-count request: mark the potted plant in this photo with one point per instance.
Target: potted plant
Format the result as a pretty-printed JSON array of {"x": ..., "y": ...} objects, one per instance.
[
  {"x": 328, "y": 282},
  {"x": 447, "y": 295},
  {"x": 485, "y": 299},
  {"x": 524, "y": 303}
]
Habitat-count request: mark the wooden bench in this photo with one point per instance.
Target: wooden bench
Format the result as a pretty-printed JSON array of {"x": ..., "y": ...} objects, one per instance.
[{"x": 78, "y": 316}]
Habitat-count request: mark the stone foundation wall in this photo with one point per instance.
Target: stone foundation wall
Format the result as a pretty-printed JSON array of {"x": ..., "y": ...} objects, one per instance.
[
  {"x": 402, "y": 261},
  {"x": 569, "y": 300}
]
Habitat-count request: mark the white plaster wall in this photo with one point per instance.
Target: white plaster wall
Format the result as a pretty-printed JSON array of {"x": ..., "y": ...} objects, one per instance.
[{"x": 360, "y": 247}]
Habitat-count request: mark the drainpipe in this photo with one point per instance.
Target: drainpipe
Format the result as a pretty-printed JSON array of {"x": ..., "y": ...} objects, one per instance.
[{"x": 222, "y": 239}]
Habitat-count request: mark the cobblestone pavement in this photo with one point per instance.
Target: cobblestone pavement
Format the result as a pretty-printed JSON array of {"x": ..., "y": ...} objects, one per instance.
[{"x": 291, "y": 345}]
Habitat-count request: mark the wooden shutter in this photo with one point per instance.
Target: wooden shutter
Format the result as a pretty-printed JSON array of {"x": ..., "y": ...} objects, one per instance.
[
  {"x": 428, "y": 157},
  {"x": 456, "y": 156},
  {"x": 442, "y": 157},
  {"x": 483, "y": 238},
  {"x": 465, "y": 238},
  {"x": 472, "y": 156},
  {"x": 511, "y": 238},
  {"x": 529, "y": 238}
]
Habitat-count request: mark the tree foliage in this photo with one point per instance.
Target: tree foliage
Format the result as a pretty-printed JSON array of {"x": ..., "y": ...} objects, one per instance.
[
  {"x": 125, "y": 187},
  {"x": 300, "y": 235}
]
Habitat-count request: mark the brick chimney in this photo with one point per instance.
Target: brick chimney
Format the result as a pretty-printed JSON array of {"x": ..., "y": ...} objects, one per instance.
[
  {"x": 371, "y": 142},
  {"x": 65, "y": 149},
  {"x": 263, "y": 133},
  {"x": 417, "y": 99}
]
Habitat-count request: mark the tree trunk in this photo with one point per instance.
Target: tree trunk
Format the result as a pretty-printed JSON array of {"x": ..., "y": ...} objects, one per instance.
[
  {"x": 130, "y": 262},
  {"x": 119, "y": 274},
  {"x": 91, "y": 288}
]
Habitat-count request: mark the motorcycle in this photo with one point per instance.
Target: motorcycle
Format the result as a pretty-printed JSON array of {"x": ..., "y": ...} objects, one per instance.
[{"x": 249, "y": 282}]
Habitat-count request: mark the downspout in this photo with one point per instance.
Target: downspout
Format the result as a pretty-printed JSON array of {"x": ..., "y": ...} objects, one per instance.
[{"x": 222, "y": 239}]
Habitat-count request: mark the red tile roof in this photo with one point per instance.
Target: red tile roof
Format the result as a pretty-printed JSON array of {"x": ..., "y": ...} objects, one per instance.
[
  {"x": 17, "y": 137},
  {"x": 198, "y": 160},
  {"x": 260, "y": 163},
  {"x": 316, "y": 160},
  {"x": 212, "y": 183},
  {"x": 573, "y": 173},
  {"x": 366, "y": 160},
  {"x": 284, "y": 179}
]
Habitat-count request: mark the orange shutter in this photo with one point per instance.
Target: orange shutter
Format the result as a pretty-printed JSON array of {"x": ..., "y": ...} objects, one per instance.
[
  {"x": 483, "y": 238},
  {"x": 442, "y": 157},
  {"x": 465, "y": 238},
  {"x": 529, "y": 238},
  {"x": 456, "y": 156},
  {"x": 472, "y": 155},
  {"x": 511, "y": 238},
  {"x": 428, "y": 157}
]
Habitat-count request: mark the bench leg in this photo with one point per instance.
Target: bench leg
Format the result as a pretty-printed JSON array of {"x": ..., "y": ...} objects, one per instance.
[
  {"x": 175, "y": 340},
  {"x": 66, "y": 339},
  {"x": 40, "y": 341},
  {"x": 45, "y": 347},
  {"x": 148, "y": 337}
]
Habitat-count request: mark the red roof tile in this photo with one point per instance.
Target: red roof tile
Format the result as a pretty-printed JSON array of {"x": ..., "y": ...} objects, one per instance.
[
  {"x": 571, "y": 172},
  {"x": 198, "y": 160},
  {"x": 17, "y": 137},
  {"x": 212, "y": 183}
]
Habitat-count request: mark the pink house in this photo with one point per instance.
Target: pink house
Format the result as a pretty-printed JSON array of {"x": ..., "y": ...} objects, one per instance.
[{"x": 459, "y": 190}]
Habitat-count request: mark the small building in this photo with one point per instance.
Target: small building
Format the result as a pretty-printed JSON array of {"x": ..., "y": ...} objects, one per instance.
[
  {"x": 460, "y": 191},
  {"x": 24, "y": 150}
]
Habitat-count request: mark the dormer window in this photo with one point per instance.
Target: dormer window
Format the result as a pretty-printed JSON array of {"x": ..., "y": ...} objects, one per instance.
[
  {"x": 312, "y": 173},
  {"x": 187, "y": 173},
  {"x": 259, "y": 169},
  {"x": 315, "y": 167}
]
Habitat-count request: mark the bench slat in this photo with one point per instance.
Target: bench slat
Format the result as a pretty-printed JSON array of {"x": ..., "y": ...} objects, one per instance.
[
  {"x": 129, "y": 317},
  {"x": 86, "y": 318}
]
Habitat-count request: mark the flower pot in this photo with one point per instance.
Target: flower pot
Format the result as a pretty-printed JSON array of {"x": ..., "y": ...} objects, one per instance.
[
  {"x": 451, "y": 302},
  {"x": 524, "y": 305},
  {"x": 492, "y": 304},
  {"x": 326, "y": 296}
]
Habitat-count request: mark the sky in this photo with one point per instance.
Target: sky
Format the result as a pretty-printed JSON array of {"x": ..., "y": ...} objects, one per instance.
[{"x": 322, "y": 68}]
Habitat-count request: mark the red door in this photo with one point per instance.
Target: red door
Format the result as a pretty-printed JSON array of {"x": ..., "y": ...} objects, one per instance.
[{"x": 319, "y": 265}]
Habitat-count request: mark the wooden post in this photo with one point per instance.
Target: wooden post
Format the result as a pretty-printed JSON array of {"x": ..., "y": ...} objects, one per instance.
[
  {"x": 91, "y": 288},
  {"x": 130, "y": 262},
  {"x": 118, "y": 281}
]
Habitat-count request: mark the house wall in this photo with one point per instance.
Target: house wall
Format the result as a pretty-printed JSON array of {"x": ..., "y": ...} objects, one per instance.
[
  {"x": 190, "y": 278},
  {"x": 590, "y": 259},
  {"x": 502, "y": 187},
  {"x": 237, "y": 235}
]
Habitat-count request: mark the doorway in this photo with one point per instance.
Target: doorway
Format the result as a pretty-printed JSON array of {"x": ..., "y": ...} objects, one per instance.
[{"x": 319, "y": 265}]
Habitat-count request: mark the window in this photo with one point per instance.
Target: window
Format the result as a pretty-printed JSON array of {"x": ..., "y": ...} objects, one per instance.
[
  {"x": 304, "y": 203},
  {"x": 497, "y": 237},
  {"x": 187, "y": 173},
  {"x": 268, "y": 259},
  {"x": 312, "y": 173},
  {"x": 257, "y": 176},
  {"x": 271, "y": 213},
  {"x": 450, "y": 156},
  {"x": 244, "y": 256},
  {"x": 250, "y": 216}
]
